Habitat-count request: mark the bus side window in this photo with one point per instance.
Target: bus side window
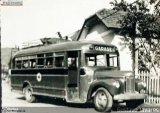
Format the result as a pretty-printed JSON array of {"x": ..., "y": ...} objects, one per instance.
[
  {"x": 32, "y": 63},
  {"x": 72, "y": 62},
  {"x": 25, "y": 64},
  {"x": 59, "y": 61},
  {"x": 49, "y": 60},
  {"x": 40, "y": 62},
  {"x": 18, "y": 64}
]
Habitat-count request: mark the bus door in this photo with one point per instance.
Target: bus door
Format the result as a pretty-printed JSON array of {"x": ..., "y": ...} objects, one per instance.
[{"x": 73, "y": 63}]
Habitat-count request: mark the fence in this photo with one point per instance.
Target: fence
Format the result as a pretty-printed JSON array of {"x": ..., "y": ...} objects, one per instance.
[{"x": 153, "y": 87}]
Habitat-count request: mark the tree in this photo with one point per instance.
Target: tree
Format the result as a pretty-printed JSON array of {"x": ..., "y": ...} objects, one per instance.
[
  {"x": 156, "y": 5},
  {"x": 141, "y": 22}
]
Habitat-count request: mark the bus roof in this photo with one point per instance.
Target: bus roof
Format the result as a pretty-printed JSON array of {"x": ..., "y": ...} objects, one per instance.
[{"x": 66, "y": 46}]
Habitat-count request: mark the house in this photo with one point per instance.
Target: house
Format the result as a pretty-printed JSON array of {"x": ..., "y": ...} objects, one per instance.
[{"x": 104, "y": 26}]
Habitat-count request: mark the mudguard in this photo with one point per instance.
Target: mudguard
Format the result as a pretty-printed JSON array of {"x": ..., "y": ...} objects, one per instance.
[{"x": 108, "y": 84}]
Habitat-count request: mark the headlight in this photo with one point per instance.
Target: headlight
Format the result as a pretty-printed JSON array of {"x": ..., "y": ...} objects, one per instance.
[
  {"x": 136, "y": 76},
  {"x": 142, "y": 83},
  {"x": 122, "y": 80},
  {"x": 128, "y": 74},
  {"x": 116, "y": 84}
]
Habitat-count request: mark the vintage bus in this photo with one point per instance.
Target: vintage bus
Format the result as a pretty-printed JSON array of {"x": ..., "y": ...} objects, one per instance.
[{"x": 76, "y": 71}]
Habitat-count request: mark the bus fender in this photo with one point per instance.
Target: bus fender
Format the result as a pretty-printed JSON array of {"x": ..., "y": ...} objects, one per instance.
[
  {"x": 25, "y": 83},
  {"x": 108, "y": 84}
]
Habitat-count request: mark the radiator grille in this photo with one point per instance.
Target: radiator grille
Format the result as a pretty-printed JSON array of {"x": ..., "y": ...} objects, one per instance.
[{"x": 130, "y": 84}]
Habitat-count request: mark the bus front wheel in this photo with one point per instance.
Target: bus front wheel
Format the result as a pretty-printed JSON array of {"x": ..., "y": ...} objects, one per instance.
[
  {"x": 103, "y": 100},
  {"x": 28, "y": 94}
]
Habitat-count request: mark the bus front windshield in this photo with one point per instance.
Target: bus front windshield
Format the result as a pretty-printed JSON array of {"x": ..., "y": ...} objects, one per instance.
[{"x": 107, "y": 60}]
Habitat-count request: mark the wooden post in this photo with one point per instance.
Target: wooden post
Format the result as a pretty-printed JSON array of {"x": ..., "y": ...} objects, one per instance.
[
  {"x": 133, "y": 55},
  {"x": 136, "y": 62}
]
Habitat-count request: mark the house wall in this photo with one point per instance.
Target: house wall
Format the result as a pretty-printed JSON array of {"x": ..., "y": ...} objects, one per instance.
[{"x": 99, "y": 32}]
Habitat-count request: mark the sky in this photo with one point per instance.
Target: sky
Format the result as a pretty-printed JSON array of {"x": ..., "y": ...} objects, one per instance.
[{"x": 44, "y": 18}]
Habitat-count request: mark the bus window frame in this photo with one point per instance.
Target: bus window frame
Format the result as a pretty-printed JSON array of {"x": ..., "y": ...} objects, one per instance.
[
  {"x": 16, "y": 67},
  {"x": 32, "y": 58},
  {"x": 77, "y": 60},
  {"x": 38, "y": 60},
  {"x": 99, "y": 52},
  {"x": 47, "y": 57},
  {"x": 23, "y": 67},
  {"x": 59, "y": 55},
  {"x": 62, "y": 53}
]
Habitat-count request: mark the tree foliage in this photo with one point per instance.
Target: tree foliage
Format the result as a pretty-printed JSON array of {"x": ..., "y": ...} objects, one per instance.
[{"x": 142, "y": 23}]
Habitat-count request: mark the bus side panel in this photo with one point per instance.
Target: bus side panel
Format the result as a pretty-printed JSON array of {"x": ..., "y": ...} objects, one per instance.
[
  {"x": 84, "y": 86},
  {"x": 17, "y": 81},
  {"x": 54, "y": 84},
  {"x": 53, "y": 81}
]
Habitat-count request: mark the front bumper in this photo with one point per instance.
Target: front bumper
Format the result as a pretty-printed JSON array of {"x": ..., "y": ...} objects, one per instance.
[{"x": 130, "y": 96}]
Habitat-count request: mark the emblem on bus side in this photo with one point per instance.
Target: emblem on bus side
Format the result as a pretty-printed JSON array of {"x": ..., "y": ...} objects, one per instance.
[{"x": 39, "y": 77}]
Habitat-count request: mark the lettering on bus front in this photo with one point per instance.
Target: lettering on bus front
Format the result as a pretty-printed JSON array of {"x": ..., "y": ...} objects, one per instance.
[{"x": 104, "y": 48}]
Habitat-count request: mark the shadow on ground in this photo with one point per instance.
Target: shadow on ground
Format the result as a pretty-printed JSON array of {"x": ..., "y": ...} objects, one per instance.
[{"x": 61, "y": 102}]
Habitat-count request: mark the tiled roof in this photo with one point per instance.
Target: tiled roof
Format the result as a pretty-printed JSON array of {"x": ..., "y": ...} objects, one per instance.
[
  {"x": 74, "y": 35},
  {"x": 111, "y": 18}
]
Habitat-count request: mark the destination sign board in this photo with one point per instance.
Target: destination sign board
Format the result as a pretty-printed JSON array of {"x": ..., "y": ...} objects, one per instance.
[{"x": 104, "y": 48}]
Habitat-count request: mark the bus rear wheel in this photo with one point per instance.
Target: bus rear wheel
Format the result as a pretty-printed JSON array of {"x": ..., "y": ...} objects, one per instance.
[
  {"x": 28, "y": 94},
  {"x": 103, "y": 100}
]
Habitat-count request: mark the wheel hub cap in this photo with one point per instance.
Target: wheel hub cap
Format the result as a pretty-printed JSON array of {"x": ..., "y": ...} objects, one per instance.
[
  {"x": 101, "y": 99},
  {"x": 28, "y": 95}
]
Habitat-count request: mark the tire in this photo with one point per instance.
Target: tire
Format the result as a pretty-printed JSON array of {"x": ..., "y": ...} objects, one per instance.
[
  {"x": 103, "y": 100},
  {"x": 28, "y": 94},
  {"x": 134, "y": 103}
]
